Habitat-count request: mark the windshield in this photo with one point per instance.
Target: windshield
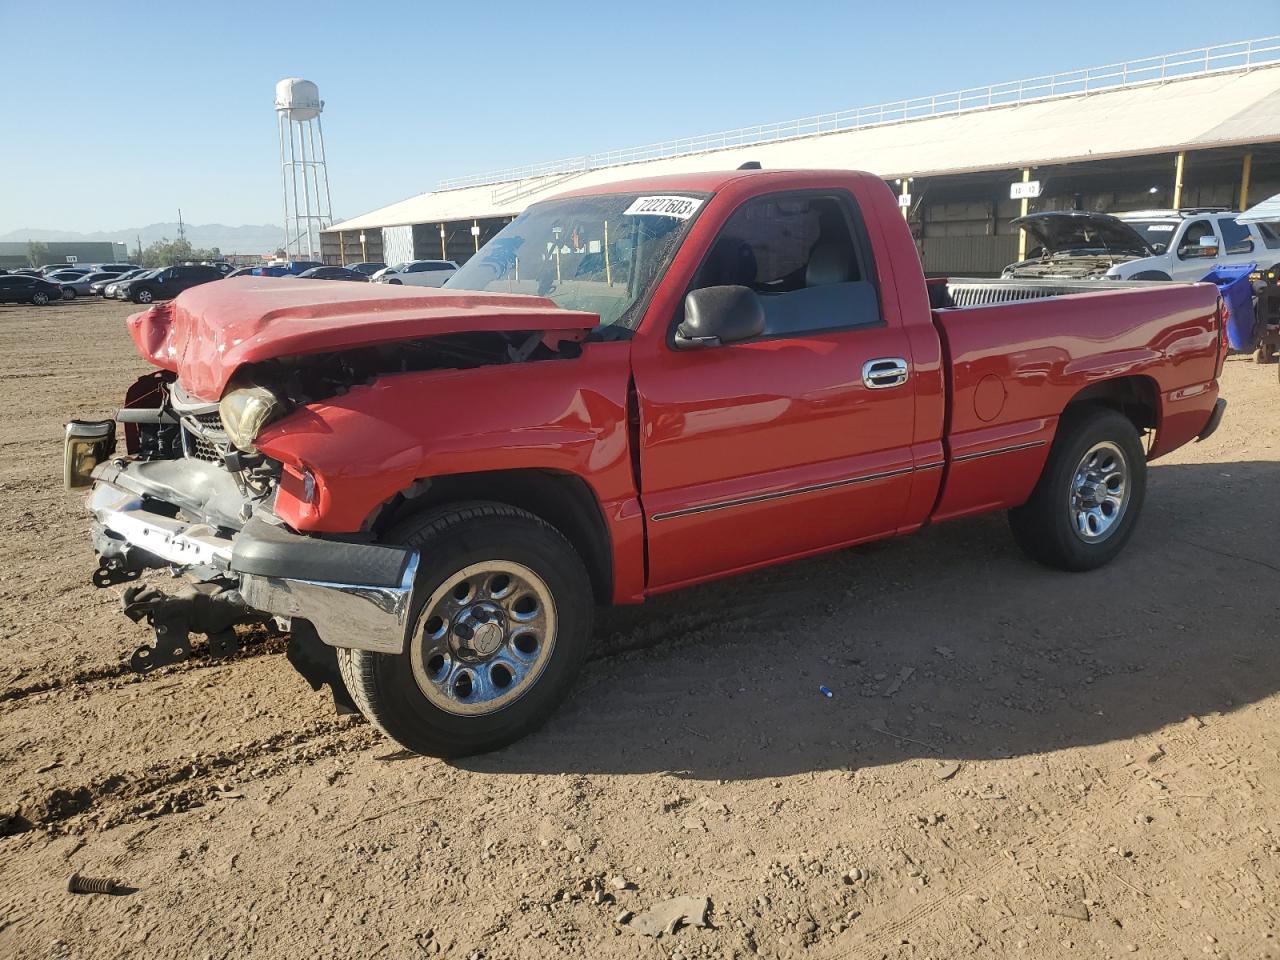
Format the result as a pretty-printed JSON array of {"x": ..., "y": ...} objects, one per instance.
[
  {"x": 1157, "y": 233},
  {"x": 598, "y": 254}
]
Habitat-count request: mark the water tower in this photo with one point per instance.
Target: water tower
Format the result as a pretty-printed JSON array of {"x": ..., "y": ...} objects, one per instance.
[{"x": 302, "y": 169}]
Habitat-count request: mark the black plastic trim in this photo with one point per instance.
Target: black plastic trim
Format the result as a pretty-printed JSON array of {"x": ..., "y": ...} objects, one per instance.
[
  {"x": 1215, "y": 418},
  {"x": 269, "y": 550}
]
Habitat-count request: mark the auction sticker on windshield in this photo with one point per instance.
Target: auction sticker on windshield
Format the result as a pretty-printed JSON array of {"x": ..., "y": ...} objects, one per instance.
[{"x": 682, "y": 208}]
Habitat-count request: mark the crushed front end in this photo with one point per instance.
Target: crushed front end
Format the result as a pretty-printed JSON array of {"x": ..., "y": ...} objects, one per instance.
[{"x": 187, "y": 499}]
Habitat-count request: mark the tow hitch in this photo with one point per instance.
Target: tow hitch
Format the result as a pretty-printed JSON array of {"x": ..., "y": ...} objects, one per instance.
[{"x": 206, "y": 608}]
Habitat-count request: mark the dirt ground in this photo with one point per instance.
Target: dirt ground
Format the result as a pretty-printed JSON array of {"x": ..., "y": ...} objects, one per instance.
[{"x": 1014, "y": 762}]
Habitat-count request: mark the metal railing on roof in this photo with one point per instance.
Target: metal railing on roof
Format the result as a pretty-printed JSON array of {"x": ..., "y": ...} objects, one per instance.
[{"x": 1240, "y": 55}]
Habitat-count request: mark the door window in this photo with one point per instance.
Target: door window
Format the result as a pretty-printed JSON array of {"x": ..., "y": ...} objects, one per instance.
[
  {"x": 805, "y": 256},
  {"x": 1190, "y": 246},
  {"x": 1235, "y": 237}
]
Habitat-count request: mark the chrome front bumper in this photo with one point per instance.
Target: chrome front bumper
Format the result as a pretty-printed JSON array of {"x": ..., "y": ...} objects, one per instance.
[{"x": 365, "y": 616}]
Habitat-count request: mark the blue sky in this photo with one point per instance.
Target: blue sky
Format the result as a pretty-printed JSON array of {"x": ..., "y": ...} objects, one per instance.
[{"x": 419, "y": 91}]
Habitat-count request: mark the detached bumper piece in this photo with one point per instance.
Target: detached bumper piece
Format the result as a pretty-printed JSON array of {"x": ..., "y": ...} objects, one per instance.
[
  {"x": 1215, "y": 419},
  {"x": 354, "y": 595},
  {"x": 203, "y": 608}
]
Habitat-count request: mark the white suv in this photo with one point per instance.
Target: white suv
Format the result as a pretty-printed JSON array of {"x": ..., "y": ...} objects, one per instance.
[
  {"x": 1187, "y": 244},
  {"x": 418, "y": 273}
]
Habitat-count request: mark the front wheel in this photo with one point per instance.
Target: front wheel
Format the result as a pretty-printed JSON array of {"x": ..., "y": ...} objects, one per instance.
[
  {"x": 143, "y": 296},
  {"x": 1086, "y": 504},
  {"x": 501, "y": 624}
]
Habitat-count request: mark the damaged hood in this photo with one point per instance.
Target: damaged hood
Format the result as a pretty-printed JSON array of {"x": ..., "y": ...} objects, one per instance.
[
  {"x": 1068, "y": 232},
  {"x": 209, "y": 331}
]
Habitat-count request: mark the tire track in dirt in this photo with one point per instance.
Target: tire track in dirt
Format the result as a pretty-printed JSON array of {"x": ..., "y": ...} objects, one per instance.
[
  {"x": 101, "y": 677},
  {"x": 178, "y": 786}
]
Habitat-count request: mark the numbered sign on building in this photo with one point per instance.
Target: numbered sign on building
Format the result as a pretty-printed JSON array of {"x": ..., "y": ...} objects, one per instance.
[{"x": 1024, "y": 190}]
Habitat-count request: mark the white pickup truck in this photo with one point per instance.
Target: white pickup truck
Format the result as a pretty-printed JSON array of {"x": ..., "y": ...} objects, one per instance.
[{"x": 1140, "y": 245}]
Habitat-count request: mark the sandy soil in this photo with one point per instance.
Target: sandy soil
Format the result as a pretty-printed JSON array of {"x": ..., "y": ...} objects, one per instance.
[{"x": 1015, "y": 762}]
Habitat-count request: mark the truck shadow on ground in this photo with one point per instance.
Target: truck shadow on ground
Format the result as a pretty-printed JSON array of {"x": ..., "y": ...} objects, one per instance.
[{"x": 946, "y": 645}]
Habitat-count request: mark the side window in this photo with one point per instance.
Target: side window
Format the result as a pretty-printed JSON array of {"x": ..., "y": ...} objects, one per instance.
[
  {"x": 415, "y": 268},
  {"x": 440, "y": 265},
  {"x": 1189, "y": 247},
  {"x": 1270, "y": 239},
  {"x": 1235, "y": 236},
  {"x": 806, "y": 258}
]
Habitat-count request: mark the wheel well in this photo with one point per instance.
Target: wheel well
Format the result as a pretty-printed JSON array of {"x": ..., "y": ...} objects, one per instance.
[
  {"x": 563, "y": 500},
  {"x": 1135, "y": 397}
]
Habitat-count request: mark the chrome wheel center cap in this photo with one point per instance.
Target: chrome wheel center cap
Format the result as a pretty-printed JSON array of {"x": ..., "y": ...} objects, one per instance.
[{"x": 479, "y": 631}]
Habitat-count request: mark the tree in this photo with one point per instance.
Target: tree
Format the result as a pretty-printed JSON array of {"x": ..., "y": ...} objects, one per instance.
[
  {"x": 164, "y": 252},
  {"x": 37, "y": 253}
]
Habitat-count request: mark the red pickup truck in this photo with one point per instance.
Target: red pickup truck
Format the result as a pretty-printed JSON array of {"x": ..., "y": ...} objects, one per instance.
[{"x": 630, "y": 389}]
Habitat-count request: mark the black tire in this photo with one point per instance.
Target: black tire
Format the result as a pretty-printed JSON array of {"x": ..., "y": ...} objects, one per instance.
[
  {"x": 1045, "y": 526},
  {"x": 452, "y": 539},
  {"x": 40, "y": 298},
  {"x": 145, "y": 295},
  {"x": 68, "y": 293},
  {"x": 398, "y": 283},
  {"x": 1151, "y": 275}
]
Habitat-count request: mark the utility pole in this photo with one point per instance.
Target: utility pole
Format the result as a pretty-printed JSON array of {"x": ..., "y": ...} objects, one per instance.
[
  {"x": 182, "y": 233},
  {"x": 139, "y": 239}
]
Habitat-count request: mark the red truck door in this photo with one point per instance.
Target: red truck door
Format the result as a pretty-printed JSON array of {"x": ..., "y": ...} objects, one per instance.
[{"x": 793, "y": 442}]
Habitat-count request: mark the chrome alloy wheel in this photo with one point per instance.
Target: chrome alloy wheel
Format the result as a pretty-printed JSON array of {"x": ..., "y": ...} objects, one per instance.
[
  {"x": 483, "y": 638},
  {"x": 1100, "y": 492}
]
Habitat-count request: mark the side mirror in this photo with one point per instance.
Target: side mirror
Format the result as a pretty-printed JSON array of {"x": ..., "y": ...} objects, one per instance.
[{"x": 718, "y": 315}]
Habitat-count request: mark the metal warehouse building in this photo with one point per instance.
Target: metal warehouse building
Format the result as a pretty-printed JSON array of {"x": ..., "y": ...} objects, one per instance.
[
  {"x": 1194, "y": 128},
  {"x": 17, "y": 253}
]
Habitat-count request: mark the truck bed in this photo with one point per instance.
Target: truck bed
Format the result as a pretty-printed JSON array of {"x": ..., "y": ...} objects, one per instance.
[{"x": 1019, "y": 358}]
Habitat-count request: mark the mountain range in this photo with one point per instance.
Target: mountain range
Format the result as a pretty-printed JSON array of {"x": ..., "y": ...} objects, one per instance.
[{"x": 250, "y": 238}]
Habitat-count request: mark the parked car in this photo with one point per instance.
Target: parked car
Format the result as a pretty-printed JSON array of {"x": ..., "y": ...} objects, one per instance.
[
  {"x": 166, "y": 283},
  {"x": 116, "y": 268},
  {"x": 27, "y": 271},
  {"x": 99, "y": 287},
  {"x": 1141, "y": 245},
  {"x": 332, "y": 273},
  {"x": 418, "y": 273},
  {"x": 367, "y": 267},
  {"x": 80, "y": 286},
  {"x": 66, "y": 276},
  {"x": 49, "y": 268},
  {"x": 23, "y": 288},
  {"x": 437, "y": 489},
  {"x": 112, "y": 290}
]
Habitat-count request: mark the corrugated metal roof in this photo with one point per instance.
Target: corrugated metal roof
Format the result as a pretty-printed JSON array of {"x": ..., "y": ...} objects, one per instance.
[{"x": 1220, "y": 109}]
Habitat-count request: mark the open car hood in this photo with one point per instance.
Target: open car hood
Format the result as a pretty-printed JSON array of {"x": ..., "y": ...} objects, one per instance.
[
  {"x": 1071, "y": 231},
  {"x": 209, "y": 331}
]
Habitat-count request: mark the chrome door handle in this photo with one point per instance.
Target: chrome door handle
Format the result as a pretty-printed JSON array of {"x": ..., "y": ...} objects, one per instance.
[{"x": 884, "y": 372}]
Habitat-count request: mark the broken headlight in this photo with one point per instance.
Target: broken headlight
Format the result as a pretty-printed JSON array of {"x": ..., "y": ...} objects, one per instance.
[{"x": 245, "y": 409}]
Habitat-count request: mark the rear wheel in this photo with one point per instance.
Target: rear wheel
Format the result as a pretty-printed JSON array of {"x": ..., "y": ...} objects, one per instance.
[
  {"x": 68, "y": 293},
  {"x": 1086, "y": 504},
  {"x": 501, "y": 624},
  {"x": 40, "y": 298}
]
